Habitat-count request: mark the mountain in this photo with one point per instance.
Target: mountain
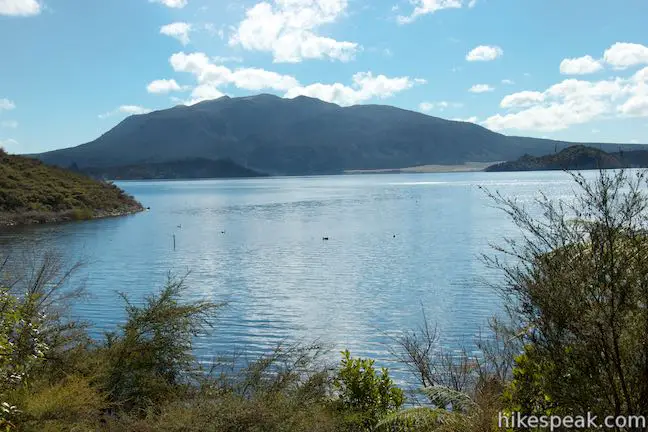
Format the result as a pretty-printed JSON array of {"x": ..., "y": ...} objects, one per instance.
[
  {"x": 298, "y": 136},
  {"x": 182, "y": 169},
  {"x": 578, "y": 157},
  {"x": 31, "y": 192}
]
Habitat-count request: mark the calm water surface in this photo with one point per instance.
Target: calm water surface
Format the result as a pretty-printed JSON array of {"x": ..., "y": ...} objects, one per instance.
[{"x": 396, "y": 242}]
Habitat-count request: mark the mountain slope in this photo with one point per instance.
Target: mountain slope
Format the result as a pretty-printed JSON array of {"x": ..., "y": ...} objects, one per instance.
[
  {"x": 297, "y": 136},
  {"x": 183, "y": 169},
  {"x": 31, "y": 192}
]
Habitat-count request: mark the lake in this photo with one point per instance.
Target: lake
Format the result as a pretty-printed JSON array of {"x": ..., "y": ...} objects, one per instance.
[{"x": 397, "y": 242}]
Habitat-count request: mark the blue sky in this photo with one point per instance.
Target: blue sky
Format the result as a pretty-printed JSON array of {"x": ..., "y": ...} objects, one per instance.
[{"x": 574, "y": 70}]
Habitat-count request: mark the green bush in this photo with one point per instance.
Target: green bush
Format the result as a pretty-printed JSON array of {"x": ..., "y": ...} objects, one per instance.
[
  {"x": 364, "y": 394},
  {"x": 150, "y": 359}
]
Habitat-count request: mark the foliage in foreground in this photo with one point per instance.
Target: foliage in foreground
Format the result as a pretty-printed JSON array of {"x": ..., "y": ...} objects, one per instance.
[{"x": 576, "y": 340}]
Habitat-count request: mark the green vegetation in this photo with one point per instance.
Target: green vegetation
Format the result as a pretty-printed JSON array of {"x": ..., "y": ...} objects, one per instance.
[
  {"x": 574, "y": 341},
  {"x": 31, "y": 192},
  {"x": 578, "y": 157}
]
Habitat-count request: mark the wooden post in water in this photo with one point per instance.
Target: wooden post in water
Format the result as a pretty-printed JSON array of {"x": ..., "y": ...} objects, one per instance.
[{"x": 173, "y": 241}]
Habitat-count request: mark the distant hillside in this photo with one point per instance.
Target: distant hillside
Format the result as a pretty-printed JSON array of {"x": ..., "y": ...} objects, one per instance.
[
  {"x": 577, "y": 157},
  {"x": 298, "y": 136},
  {"x": 31, "y": 192},
  {"x": 183, "y": 169}
]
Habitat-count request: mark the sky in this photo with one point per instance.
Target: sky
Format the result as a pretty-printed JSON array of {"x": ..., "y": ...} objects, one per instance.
[{"x": 573, "y": 70}]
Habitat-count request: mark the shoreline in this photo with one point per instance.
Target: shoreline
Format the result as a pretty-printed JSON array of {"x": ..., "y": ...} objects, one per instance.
[{"x": 14, "y": 220}]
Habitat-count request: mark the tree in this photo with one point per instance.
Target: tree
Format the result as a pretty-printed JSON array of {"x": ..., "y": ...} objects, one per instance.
[{"x": 577, "y": 296}]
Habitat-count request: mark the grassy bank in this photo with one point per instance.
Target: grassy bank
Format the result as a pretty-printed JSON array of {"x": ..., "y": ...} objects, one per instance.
[{"x": 31, "y": 192}]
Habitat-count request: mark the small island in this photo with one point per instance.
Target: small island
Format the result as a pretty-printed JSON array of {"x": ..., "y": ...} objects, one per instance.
[
  {"x": 32, "y": 193},
  {"x": 577, "y": 157}
]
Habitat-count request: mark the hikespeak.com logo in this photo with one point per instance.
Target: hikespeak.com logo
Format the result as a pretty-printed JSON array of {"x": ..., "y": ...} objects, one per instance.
[{"x": 519, "y": 421}]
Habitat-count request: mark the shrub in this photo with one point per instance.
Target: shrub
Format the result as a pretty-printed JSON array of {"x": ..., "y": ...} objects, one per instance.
[
  {"x": 150, "y": 358},
  {"x": 364, "y": 394},
  {"x": 578, "y": 297}
]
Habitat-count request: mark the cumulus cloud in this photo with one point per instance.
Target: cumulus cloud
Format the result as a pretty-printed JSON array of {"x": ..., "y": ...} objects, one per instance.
[
  {"x": 623, "y": 55},
  {"x": 204, "y": 92},
  {"x": 176, "y": 4},
  {"x": 227, "y": 59},
  {"x": 164, "y": 86},
  {"x": 6, "y": 104},
  {"x": 425, "y": 7},
  {"x": 580, "y": 66},
  {"x": 484, "y": 53},
  {"x": 481, "y": 88},
  {"x": 508, "y": 82},
  {"x": 572, "y": 102},
  {"x": 126, "y": 109},
  {"x": 522, "y": 99},
  {"x": 365, "y": 86},
  {"x": 177, "y": 30},
  {"x": 208, "y": 73},
  {"x": 20, "y": 7},
  {"x": 288, "y": 30},
  {"x": 211, "y": 77}
]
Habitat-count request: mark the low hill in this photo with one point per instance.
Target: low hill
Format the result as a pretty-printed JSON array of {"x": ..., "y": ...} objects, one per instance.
[
  {"x": 32, "y": 192},
  {"x": 184, "y": 169},
  {"x": 577, "y": 157},
  {"x": 298, "y": 136}
]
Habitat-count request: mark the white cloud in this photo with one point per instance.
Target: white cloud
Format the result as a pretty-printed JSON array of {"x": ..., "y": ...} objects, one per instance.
[
  {"x": 508, "y": 82},
  {"x": 7, "y": 105},
  {"x": 178, "y": 30},
  {"x": 441, "y": 105},
  {"x": 176, "y": 4},
  {"x": 258, "y": 79},
  {"x": 11, "y": 124},
  {"x": 622, "y": 55},
  {"x": 472, "y": 3},
  {"x": 484, "y": 53},
  {"x": 214, "y": 75},
  {"x": 126, "y": 109},
  {"x": 204, "y": 92},
  {"x": 480, "y": 88},
  {"x": 580, "y": 66},
  {"x": 522, "y": 99},
  {"x": 211, "y": 77},
  {"x": 472, "y": 119},
  {"x": 164, "y": 86},
  {"x": 425, "y": 7},
  {"x": 365, "y": 86},
  {"x": 19, "y": 7},
  {"x": 9, "y": 145},
  {"x": 227, "y": 59},
  {"x": 287, "y": 29},
  {"x": 571, "y": 102}
]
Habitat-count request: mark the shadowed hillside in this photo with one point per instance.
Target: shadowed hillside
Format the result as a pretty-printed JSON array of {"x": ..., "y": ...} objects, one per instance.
[{"x": 198, "y": 168}]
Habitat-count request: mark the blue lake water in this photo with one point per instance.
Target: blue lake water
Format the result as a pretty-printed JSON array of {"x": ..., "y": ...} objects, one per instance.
[{"x": 396, "y": 242}]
